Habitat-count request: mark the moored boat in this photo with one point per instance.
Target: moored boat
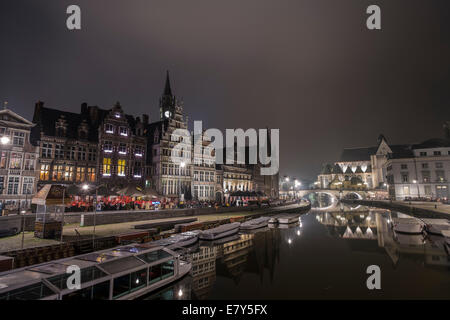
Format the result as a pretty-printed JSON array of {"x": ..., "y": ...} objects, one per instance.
[
  {"x": 220, "y": 231},
  {"x": 436, "y": 226},
  {"x": 408, "y": 225},
  {"x": 183, "y": 239},
  {"x": 121, "y": 273},
  {"x": 289, "y": 218},
  {"x": 260, "y": 222},
  {"x": 446, "y": 234}
]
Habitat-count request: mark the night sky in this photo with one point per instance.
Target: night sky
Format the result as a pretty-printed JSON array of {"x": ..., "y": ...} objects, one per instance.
[{"x": 308, "y": 67}]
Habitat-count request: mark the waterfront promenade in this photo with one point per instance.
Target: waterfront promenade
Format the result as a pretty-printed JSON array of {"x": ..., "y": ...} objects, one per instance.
[
  {"x": 104, "y": 230},
  {"x": 422, "y": 209}
]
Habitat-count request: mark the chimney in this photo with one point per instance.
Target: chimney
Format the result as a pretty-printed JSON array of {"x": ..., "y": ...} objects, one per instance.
[
  {"x": 145, "y": 119},
  {"x": 84, "y": 108},
  {"x": 38, "y": 110}
]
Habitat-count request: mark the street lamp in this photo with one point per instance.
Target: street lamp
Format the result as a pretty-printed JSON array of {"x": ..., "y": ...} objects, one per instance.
[
  {"x": 5, "y": 140},
  {"x": 182, "y": 165},
  {"x": 86, "y": 187}
]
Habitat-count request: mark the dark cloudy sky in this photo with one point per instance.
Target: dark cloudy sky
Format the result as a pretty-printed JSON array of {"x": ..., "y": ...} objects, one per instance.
[{"x": 307, "y": 67}]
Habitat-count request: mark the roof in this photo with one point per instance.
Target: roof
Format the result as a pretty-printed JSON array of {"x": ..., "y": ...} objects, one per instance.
[
  {"x": 432, "y": 143},
  {"x": 357, "y": 154}
]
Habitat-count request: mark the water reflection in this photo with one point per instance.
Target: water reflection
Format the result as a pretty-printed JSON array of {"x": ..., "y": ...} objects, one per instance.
[{"x": 324, "y": 255}]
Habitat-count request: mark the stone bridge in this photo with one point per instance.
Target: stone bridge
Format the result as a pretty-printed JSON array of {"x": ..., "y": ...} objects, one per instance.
[{"x": 335, "y": 194}]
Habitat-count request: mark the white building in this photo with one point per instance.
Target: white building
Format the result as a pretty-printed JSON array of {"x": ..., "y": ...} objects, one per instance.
[
  {"x": 422, "y": 170},
  {"x": 18, "y": 174}
]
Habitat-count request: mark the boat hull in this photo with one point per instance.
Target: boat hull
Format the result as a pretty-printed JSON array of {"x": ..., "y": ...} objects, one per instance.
[
  {"x": 409, "y": 226},
  {"x": 212, "y": 236}
]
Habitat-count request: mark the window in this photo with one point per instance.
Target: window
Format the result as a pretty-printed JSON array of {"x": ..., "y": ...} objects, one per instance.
[
  {"x": 73, "y": 152},
  {"x": 46, "y": 150},
  {"x": 92, "y": 155},
  {"x": 423, "y": 153},
  {"x": 404, "y": 177},
  {"x": 109, "y": 128},
  {"x": 44, "y": 172},
  {"x": 27, "y": 187},
  {"x": 82, "y": 153},
  {"x": 18, "y": 138},
  {"x": 107, "y": 146},
  {"x": 2, "y": 182},
  {"x": 426, "y": 176},
  {"x": 440, "y": 175},
  {"x": 122, "y": 148},
  {"x": 123, "y": 131},
  {"x": 137, "y": 171},
  {"x": 59, "y": 151},
  {"x": 427, "y": 190},
  {"x": 106, "y": 166},
  {"x": 439, "y": 165},
  {"x": 68, "y": 174},
  {"x": 406, "y": 190},
  {"x": 389, "y": 168},
  {"x": 29, "y": 161},
  {"x": 424, "y": 165},
  {"x": 80, "y": 174},
  {"x": 16, "y": 160},
  {"x": 403, "y": 166},
  {"x": 13, "y": 185},
  {"x": 57, "y": 172},
  {"x": 436, "y": 153},
  {"x": 121, "y": 167},
  {"x": 91, "y": 174},
  {"x": 139, "y": 151},
  {"x": 3, "y": 158}
]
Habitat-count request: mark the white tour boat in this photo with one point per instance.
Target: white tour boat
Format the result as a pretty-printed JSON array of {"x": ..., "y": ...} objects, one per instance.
[
  {"x": 183, "y": 239},
  {"x": 255, "y": 223},
  {"x": 220, "y": 231},
  {"x": 408, "y": 225},
  {"x": 121, "y": 273},
  {"x": 435, "y": 226}
]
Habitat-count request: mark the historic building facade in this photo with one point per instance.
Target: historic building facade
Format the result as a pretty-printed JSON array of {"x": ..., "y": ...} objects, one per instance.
[
  {"x": 358, "y": 168},
  {"x": 423, "y": 170},
  {"x": 171, "y": 179},
  {"x": 18, "y": 160},
  {"x": 203, "y": 169},
  {"x": 93, "y": 146}
]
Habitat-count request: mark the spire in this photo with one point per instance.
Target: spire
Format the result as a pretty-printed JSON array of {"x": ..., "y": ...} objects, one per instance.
[
  {"x": 167, "y": 89},
  {"x": 5, "y": 105}
]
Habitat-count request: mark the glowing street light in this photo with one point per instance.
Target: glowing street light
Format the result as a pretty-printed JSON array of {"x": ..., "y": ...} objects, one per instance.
[
  {"x": 85, "y": 187},
  {"x": 5, "y": 140}
]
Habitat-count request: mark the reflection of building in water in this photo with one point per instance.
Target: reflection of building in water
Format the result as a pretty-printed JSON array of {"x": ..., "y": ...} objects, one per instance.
[
  {"x": 265, "y": 253},
  {"x": 347, "y": 225},
  {"x": 235, "y": 253},
  {"x": 428, "y": 251},
  {"x": 203, "y": 271},
  {"x": 252, "y": 253}
]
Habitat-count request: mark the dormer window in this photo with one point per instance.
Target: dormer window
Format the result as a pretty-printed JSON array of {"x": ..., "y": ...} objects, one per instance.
[
  {"x": 123, "y": 131},
  {"x": 109, "y": 128}
]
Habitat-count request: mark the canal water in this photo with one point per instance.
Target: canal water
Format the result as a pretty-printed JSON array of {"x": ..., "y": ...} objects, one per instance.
[{"x": 323, "y": 256}]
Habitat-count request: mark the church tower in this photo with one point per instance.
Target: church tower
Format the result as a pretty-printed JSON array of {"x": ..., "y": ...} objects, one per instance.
[{"x": 167, "y": 102}]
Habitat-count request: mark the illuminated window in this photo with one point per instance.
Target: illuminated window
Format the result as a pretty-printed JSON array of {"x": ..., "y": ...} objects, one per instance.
[
  {"x": 80, "y": 174},
  {"x": 57, "y": 172},
  {"x": 106, "y": 166},
  {"x": 44, "y": 172},
  {"x": 91, "y": 174},
  {"x": 16, "y": 161},
  {"x": 109, "y": 128},
  {"x": 68, "y": 174},
  {"x": 121, "y": 167},
  {"x": 123, "y": 131},
  {"x": 3, "y": 157}
]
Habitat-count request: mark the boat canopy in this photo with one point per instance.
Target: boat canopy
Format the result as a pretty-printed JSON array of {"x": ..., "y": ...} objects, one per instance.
[{"x": 49, "y": 280}]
